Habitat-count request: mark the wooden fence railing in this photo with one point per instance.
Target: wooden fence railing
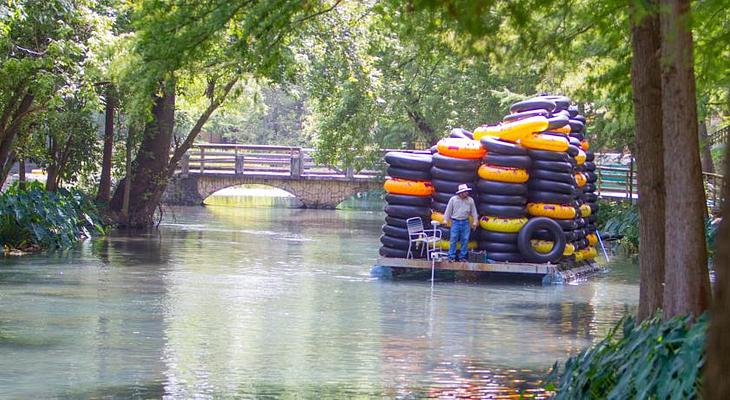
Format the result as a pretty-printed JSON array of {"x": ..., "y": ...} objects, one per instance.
[
  {"x": 622, "y": 182},
  {"x": 719, "y": 136},
  {"x": 275, "y": 161}
]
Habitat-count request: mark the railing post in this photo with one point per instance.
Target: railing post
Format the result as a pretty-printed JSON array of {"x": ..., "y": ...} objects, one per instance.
[
  {"x": 202, "y": 160},
  {"x": 350, "y": 173},
  {"x": 185, "y": 165},
  {"x": 239, "y": 163},
  {"x": 631, "y": 178},
  {"x": 296, "y": 161}
]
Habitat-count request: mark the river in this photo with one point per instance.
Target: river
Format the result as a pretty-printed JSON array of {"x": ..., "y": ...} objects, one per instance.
[{"x": 268, "y": 303}]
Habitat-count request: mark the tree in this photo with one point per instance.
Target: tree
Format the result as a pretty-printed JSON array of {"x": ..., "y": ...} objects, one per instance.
[
  {"x": 378, "y": 81},
  {"x": 687, "y": 286},
  {"x": 179, "y": 43},
  {"x": 44, "y": 59},
  {"x": 646, "y": 83},
  {"x": 105, "y": 180}
]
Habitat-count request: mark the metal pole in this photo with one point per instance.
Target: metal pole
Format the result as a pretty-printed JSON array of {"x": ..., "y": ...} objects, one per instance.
[{"x": 605, "y": 254}]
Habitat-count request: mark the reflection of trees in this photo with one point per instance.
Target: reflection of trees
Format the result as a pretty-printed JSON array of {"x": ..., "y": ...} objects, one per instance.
[
  {"x": 257, "y": 306},
  {"x": 91, "y": 324}
]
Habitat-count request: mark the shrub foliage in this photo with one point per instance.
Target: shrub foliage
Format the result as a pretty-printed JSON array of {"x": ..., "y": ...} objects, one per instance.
[
  {"x": 34, "y": 216},
  {"x": 652, "y": 360}
]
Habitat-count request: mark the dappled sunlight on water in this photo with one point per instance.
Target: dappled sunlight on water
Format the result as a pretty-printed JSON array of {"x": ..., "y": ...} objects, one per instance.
[{"x": 243, "y": 302}]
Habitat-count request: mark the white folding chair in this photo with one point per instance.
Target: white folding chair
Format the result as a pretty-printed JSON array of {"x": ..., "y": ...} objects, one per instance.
[{"x": 417, "y": 236}]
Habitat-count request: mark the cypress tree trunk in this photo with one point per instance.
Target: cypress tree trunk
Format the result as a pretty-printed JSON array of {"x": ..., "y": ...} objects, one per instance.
[
  {"x": 687, "y": 288},
  {"x": 646, "y": 84},
  {"x": 717, "y": 384},
  {"x": 150, "y": 167},
  {"x": 105, "y": 181}
]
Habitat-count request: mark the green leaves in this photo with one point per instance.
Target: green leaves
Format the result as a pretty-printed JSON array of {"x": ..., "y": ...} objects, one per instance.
[
  {"x": 50, "y": 220},
  {"x": 653, "y": 360}
]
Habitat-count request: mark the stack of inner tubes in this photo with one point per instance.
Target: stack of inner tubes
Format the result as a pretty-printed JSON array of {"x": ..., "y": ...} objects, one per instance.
[
  {"x": 409, "y": 191},
  {"x": 590, "y": 199},
  {"x": 552, "y": 192},
  {"x": 455, "y": 163},
  {"x": 502, "y": 198}
]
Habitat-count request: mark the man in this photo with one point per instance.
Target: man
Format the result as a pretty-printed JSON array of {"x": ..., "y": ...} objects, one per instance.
[{"x": 458, "y": 211}]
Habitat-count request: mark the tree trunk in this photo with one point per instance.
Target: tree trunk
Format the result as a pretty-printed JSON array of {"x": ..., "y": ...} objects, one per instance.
[
  {"x": 9, "y": 132},
  {"x": 5, "y": 169},
  {"x": 52, "y": 169},
  {"x": 717, "y": 386},
  {"x": 131, "y": 133},
  {"x": 687, "y": 288},
  {"x": 647, "y": 93},
  {"x": 150, "y": 166},
  {"x": 21, "y": 174},
  {"x": 105, "y": 181}
]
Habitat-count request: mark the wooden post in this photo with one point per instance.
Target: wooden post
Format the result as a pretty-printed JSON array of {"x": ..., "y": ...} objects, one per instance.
[
  {"x": 350, "y": 173},
  {"x": 295, "y": 170},
  {"x": 21, "y": 173},
  {"x": 239, "y": 163},
  {"x": 631, "y": 178},
  {"x": 185, "y": 165},
  {"x": 202, "y": 160}
]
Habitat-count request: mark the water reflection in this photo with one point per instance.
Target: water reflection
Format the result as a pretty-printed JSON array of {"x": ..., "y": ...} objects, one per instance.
[{"x": 236, "y": 302}]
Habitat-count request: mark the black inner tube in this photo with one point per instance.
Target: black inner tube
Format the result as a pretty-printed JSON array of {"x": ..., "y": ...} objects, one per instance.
[{"x": 525, "y": 236}]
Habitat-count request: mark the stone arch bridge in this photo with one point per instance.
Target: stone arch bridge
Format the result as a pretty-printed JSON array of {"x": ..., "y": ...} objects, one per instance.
[{"x": 206, "y": 169}]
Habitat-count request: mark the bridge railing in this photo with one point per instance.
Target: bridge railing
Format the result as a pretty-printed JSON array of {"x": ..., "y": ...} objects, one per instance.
[
  {"x": 719, "y": 136},
  {"x": 277, "y": 161},
  {"x": 622, "y": 182}
]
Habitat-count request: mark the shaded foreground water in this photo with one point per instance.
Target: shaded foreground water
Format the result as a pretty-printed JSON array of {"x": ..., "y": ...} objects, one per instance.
[{"x": 256, "y": 303}]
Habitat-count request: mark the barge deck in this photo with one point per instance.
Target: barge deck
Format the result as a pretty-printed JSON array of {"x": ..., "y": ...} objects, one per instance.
[{"x": 386, "y": 267}]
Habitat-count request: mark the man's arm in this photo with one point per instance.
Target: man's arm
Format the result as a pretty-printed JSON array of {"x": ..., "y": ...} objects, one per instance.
[
  {"x": 449, "y": 211},
  {"x": 474, "y": 213}
]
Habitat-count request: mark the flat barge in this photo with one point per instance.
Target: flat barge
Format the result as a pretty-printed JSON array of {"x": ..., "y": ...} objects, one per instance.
[{"x": 395, "y": 268}]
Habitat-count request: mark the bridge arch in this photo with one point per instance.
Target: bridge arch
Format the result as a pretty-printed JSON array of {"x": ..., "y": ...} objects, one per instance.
[{"x": 323, "y": 193}]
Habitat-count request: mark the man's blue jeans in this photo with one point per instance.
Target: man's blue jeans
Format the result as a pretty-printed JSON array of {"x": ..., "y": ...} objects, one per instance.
[{"x": 460, "y": 231}]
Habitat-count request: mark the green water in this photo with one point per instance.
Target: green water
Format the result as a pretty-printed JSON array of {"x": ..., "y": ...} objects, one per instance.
[{"x": 226, "y": 302}]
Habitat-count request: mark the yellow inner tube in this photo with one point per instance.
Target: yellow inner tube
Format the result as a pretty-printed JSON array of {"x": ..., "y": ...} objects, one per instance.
[
  {"x": 513, "y": 131},
  {"x": 580, "y": 179},
  {"x": 565, "y": 129},
  {"x": 506, "y": 225},
  {"x": 585, "y": 145},
  {"x": 580, "y": 159},
  {"x": 588, "y": 253},
  {"x": 592, "y": 239},
  {"x": 438, "y": 216},
  {"x": 544, "y": 246},
  {"x": 555, "y": 211},
  {"x": 585, "y": 210},
  {"x": 412, "y": 188},
  {"x": 445, "y": 244},
  {"x": 503, "y": 174},
  {"x": 539, "y": 141},
  {"x": 461, "y": 148},
  {"x": 592, "y": 252}
]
